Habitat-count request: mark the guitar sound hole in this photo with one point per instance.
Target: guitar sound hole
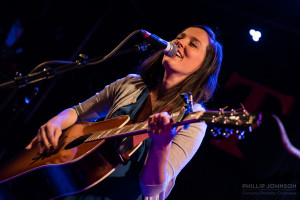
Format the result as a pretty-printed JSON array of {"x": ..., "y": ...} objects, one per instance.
[{"x": 77, "y": 141}]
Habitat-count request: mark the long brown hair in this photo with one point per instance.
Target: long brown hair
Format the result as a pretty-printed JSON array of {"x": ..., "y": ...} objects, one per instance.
[{"x": 201, "y": 83}]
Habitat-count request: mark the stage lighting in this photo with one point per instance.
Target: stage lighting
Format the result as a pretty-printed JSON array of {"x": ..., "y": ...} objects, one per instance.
[
  {"x": 27, "y": 100},
  {"x": 256, "y": 35}
]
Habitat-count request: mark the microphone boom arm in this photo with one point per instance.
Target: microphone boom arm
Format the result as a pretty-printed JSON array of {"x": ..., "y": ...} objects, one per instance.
[{"x": 82, "y": 61}]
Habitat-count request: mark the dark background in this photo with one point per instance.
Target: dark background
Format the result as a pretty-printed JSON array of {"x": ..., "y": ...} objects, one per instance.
[{"x": 60, "y": 30}]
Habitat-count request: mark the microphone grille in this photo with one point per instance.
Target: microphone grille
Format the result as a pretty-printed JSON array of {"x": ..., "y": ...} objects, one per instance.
[{"x": 172, "y": 51}]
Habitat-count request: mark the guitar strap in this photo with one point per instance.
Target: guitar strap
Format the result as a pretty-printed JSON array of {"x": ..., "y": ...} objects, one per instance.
[{"x": 126, "y": 144}]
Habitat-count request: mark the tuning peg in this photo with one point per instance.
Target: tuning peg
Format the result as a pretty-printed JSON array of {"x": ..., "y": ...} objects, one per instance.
[
  {"x": 213, "y": 119},
  {"x": 222, "y": 110},
  {"x": 186, "y": 103},
  {"x": 233, "y": 112},
  {"x": 245, "y": 112},
  {"x": 191, "y": 102},
  {"x": 226, "y": 120},
  {"x": 240, "y": 134}
]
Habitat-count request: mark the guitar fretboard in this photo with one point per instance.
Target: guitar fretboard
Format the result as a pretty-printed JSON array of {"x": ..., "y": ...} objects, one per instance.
[
  {"x": 243, "y": 121},
  {"x": 130, "y": 129}
]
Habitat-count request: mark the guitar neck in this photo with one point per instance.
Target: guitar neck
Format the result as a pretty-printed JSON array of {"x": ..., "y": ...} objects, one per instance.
[
  {"x": 131, "y": 129},
  {"x": 136, "y": 129},
  {"x": 241, "y": 120}
]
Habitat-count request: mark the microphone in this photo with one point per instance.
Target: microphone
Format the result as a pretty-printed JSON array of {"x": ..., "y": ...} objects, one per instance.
[{"x": 169, "y": 48}]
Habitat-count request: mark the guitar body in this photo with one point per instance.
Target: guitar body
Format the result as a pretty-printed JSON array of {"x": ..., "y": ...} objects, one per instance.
[
  {"x": 78, "y": 168},
  {"x": 89, "y": 152}
]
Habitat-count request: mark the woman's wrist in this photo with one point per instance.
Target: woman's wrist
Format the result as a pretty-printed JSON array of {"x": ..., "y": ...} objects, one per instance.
[
  {"x": 55, "y": 120},
  {"x": 161, "y": 147}
]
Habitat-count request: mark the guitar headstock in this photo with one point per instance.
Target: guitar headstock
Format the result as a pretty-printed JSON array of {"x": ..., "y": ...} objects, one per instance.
[{"x": 226, "y": 123}]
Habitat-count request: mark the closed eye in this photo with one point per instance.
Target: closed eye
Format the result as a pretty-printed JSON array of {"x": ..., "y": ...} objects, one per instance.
[{"x": 192, "y": 44}]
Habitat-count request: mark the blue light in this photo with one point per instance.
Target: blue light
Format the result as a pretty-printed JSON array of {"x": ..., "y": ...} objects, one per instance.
[
  {"x": 255, "y": 35},
  {"x": 27, "y": 100},
  {"x": 14, "y": 33},
  {"x": 19, "y": 50}
]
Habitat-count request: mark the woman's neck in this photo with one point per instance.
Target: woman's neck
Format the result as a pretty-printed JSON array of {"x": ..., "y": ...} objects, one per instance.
[
  {"x": 162, "y": 87},
  {"x": 171, "y": 79}
]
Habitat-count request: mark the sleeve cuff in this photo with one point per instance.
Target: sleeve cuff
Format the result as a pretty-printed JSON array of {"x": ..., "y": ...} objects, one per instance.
[{"x": 153, "y": 190}]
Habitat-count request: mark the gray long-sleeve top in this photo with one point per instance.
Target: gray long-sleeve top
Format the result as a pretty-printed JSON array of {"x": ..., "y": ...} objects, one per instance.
[{"x": 125, "y": 91}]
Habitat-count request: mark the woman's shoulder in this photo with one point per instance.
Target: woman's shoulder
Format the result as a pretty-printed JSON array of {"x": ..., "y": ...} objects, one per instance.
[
  {"x": 134, "y": 77},
  {"x": 199, "y": 107},
  {"x": 129, "y": 84},
  {"x": 130, "y": 78},
  {"x": 133, "y": 80}
]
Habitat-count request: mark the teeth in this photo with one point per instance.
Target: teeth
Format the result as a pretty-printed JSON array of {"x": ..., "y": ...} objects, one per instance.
[{"x": 178, "y": 54}]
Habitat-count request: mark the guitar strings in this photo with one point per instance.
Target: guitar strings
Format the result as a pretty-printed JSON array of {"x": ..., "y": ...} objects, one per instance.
[{"x": 117, "y": 131}]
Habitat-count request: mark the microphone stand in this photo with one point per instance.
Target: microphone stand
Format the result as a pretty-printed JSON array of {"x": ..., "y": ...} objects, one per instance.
[{"x": 82, "y": 61}]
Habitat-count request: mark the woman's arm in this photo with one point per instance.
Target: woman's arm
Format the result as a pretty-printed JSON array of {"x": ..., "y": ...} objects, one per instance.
[
  {"x": 161, "y": 132},
  {"x": 164, "y": 163},
  {"x": 49, "y": 133},
  {"x": 285, "y": 139}
]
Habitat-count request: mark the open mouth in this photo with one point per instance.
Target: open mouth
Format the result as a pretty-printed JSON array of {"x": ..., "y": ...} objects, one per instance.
[{"x": 178, "y": 54}]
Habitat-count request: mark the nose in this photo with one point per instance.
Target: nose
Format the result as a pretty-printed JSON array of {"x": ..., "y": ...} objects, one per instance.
[{"x": 179, "y": 43}]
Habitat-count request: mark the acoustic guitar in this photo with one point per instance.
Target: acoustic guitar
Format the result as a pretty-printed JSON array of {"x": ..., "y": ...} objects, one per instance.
[{"x": 87, "y": 153}]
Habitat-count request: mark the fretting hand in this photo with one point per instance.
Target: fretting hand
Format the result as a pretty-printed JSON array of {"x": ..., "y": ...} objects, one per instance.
[{"x": 160, "y": 129}]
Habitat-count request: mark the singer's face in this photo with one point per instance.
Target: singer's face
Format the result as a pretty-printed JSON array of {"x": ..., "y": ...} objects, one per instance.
[{"x": 192, "y": 44}]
